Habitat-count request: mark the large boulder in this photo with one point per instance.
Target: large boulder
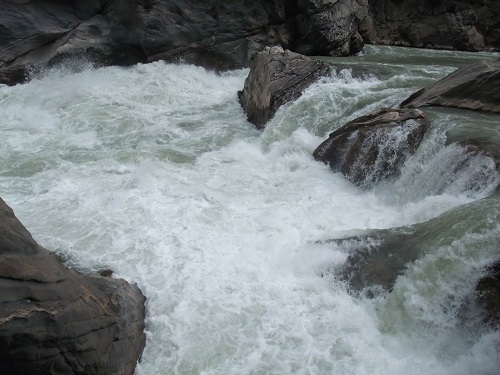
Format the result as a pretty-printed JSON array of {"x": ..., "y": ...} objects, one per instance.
[
  {"x": 374, "y": 147},
  {"x": 445, "y": 24},
  {"x": 215, "y": 34},
  {"x": 277, "y": 76},
  {"x": 475, "y": 86},
  {"x": 55, "y": 320}
]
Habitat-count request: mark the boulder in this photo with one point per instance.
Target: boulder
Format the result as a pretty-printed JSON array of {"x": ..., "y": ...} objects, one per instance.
[
  {"x": 446, "y": 24},
  {"x": 277, "y": 76},
  {"x": 475, "y": 86},
  {"x": 215, "y": 34},
  {"x": 55, "y": 320},
  {"x": 374, "y": 147}
]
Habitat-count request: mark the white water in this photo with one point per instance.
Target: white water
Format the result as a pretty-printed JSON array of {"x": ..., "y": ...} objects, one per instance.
[{"x": 153, "y": 172}]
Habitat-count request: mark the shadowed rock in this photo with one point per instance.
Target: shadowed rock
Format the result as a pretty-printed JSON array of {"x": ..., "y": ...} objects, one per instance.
[
  {"x": 475, "y": 86},
  {"x": 215, "y": 34},
  {"x": 488, "y": 294},
  {"x": 379, "y": 257},
  {"x": 445, "y": 24},
  {"x": 276, "y": 77},
  {"x": 55, "y": 320},
  {"x": 374, "y": 147}
]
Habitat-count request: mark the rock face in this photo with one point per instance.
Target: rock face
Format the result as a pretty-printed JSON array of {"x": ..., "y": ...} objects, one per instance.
[
  {"x": 216, "y": 34},
  {"x": 446, "y": 24},
  {"x": 475, "y": 86},
  {"x": 54, "y": 320},
  {"x": 277, "y": 77},
  {"x": 374, "y": 147}
]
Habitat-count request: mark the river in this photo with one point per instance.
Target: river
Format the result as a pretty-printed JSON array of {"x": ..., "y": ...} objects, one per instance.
[{"x": 154, "y": 172}]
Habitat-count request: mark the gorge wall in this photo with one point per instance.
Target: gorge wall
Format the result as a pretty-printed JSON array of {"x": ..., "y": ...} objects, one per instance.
[{"x": 225, "y": 35}]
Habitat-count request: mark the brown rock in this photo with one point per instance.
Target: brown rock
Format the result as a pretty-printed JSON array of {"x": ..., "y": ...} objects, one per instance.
[
  {"x": 488, "y": 292},
  {"x": 57, "y": 320},
  {"x": 373, "y": 147}
]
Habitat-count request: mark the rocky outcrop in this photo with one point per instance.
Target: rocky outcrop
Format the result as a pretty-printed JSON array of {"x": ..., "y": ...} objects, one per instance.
[
  {"x": 55, "y": 320},
  {"x": 446, "y": 24},
  {"x": 475, "y": 86},
  {"x": 276, "y": 77},
  {"x": 216, "y": 34},
  {"x": 374, "y": 147}
]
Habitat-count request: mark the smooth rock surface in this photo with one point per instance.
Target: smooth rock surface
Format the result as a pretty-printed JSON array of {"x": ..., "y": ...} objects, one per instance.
[
  {"x": 475, "y": 86},
  {"x": 55, "y": 320},
  {"x": 374, "y": 147},
  {"x": 276, "y": 77}
]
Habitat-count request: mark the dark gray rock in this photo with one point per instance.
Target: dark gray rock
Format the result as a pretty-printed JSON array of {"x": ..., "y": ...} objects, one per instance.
[
  {"x": 216, "y": 34},
  {"x": 374, "y": 147},
  {"x": 55, "y": 320},
  {"x": 446, "y": 24},
  {"x": 276, "y": 77},
  {"x": 377, "y": 258},
  {"x": 328, "y": 28},
  {"x": 475, "y": 86},
  {"x": 488, "y": 294}
]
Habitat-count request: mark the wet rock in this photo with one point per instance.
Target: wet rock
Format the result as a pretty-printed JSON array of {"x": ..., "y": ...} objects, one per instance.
[
  {"x": 376, "y": 259},
  {"x": 57, "y": 320},
  {"x": 475, "y": 86},
  {"x": 328, "y": 28},
  {"x": 276, "y": 77},
  {"x": 446, "y": 24},
  {"x": 374, "y": 147},
  {"x": 488, "y": 294}
]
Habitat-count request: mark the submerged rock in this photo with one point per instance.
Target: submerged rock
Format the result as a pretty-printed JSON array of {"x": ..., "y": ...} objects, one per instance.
[
  {"x": 57, "y": 320},
  {"x": 488, "y": 294},
  {"x": 277, "y": 76},
  {"x": 377, "y": 258},
  {"x": 475, "y": 86},
  {"x": 374, "y": 147}
]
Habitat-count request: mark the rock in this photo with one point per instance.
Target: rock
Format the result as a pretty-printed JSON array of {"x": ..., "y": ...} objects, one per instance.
[
  {"x": 57, "y": 320},
  {"x": 374, "y": 147},
  {"x": 377, "y": 258},
  {"x": 475, "y": 86},
  {"x": 446, "y": 24},
  {"x": 488, "y": 294},
  {"x": 276, "y": 77},
  {"x": 328, "y": 28},
  {"x": 216, "y": 34}
]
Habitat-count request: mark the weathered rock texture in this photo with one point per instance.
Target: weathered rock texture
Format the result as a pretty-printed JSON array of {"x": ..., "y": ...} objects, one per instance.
[
  {"x": 217, "y": 34},
  {"x": 467, "y": 25},
  {"x": 374, "y": 147},
  {"x": 54, "y": 320},
  {"x": 277, "y": 77},
  {"x": 475, "y": 86}
]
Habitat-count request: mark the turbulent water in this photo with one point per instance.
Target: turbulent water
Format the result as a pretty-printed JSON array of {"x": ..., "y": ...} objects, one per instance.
[{"x": 154, "y": 172}]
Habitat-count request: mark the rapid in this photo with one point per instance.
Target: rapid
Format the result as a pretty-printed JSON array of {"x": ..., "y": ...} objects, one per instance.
[{"x": 154, "y": 172}]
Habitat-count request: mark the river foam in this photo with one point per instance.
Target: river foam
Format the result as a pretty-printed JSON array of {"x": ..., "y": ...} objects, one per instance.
[{"x": 154, "y": 172}]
